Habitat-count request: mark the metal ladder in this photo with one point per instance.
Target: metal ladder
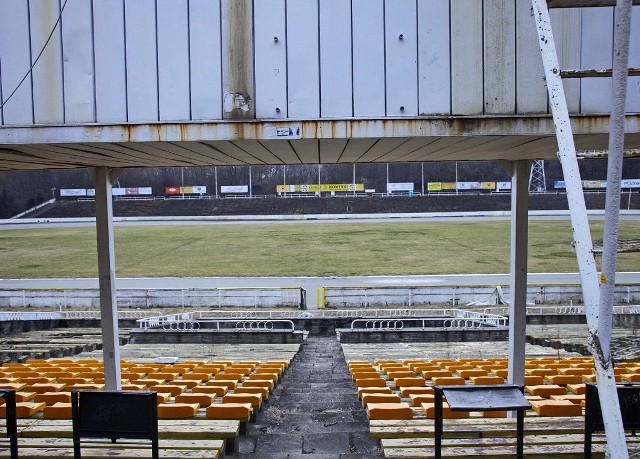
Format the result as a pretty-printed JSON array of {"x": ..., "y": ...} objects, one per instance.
[{"x": 595, "y": 286}]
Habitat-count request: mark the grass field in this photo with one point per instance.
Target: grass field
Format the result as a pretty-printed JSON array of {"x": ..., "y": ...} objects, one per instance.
[{"x": 322, "y": 249}]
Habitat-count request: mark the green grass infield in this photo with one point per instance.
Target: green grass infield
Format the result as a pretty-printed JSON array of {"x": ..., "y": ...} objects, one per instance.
[{"x": 319, "y": 249}]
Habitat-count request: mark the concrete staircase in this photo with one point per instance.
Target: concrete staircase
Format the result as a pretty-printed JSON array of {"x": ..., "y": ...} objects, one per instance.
[{"x": 314, "y": 412}]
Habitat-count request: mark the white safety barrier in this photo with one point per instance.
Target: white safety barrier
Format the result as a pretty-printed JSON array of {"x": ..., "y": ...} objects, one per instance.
[
  {"x": 245, "y": 297},
  {"x": 194, "y": 321},
  {"x": 334, "y": 297},
  {"x": 458, "y": 320},
  {"x": 561, "y": 310}
]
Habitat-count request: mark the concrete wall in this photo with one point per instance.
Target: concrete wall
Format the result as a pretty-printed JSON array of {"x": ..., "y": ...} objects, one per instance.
[
  {"x": 154, "y": 298},
  {"x": 359, "y": 297}
]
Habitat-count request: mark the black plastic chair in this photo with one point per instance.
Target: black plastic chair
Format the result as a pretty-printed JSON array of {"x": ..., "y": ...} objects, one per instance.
[
  {"x": 12, "y": 424},
  {"x": 114, "y": 415}
]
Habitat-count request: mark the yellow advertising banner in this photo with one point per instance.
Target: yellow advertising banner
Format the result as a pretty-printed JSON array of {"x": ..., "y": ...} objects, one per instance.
[
  {"x": 448, "y": 185},
  {"x": 434, "y": 186},
  {"x": 488, "y": 185}
]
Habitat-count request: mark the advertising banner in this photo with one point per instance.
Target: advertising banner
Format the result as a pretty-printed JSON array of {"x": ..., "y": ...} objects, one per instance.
[
  {"x": 488, "y": 185},
  {"x": 72, "y": 192},
  {"x": 434, "y": 186},
  {"x": 285, "y": 188},
  {"x": 400, "y": 186},
  {"x": 594, "y": 184},
  {"x": 448, "y": 186},
  {"x": 469, "y": 185},
  {"x": 324, "y": 187},
  {"x": 234, "y": 189},
  {"x": 630, "y": 183},
  {"x": 172, "y": 190},
  {"x": 503, "y": 186}
]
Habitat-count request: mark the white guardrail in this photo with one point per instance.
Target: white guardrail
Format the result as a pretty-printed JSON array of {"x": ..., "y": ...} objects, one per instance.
[
  {"x": 317, "y": 314},
  {"x": 459, "y": 320},
  {"x": 560, "y": 310},
  {"x": 192, "y": 321}
]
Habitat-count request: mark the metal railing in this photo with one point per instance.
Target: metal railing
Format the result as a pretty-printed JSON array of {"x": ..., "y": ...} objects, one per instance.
[
  {"x": 561, "y": 310},
  {"x": 194, "y": 321},
  {"x": 458, "y": 320}
]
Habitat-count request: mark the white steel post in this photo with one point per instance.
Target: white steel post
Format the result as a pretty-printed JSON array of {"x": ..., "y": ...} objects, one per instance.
[
  {"x": 616, "y": 442},
  {"x": 518, "y": 271},
  {"x": 354, "y": 178},
  {"x": 387, "y": 190},
  {"x": 107, "y": 278},
  {"x": 215, "y": 177},
  {"x": 614, "y": 175}
]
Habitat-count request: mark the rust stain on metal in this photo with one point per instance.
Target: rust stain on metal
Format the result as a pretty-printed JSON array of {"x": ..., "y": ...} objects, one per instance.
[
  {"x": 184, "y": 132},
  {"x": 237, "y": 61}
]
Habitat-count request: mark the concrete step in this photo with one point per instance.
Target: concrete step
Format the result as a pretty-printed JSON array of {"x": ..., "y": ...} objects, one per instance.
[{"x": 314, "y": 412}]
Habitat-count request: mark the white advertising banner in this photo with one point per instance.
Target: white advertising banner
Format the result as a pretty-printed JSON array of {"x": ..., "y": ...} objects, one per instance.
[
  {"x": 630, "y": 183},
  {"x": 66, "y": 192},
  {"x": 469, "y": 185},
  {"x": 503, "y": 186},
  {"x": 400, "y": 186},
  {"x": 234, "y": 189},
  {"x": 199, "y": 189}
]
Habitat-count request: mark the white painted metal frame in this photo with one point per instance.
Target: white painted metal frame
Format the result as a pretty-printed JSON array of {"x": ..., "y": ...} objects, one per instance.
[
  {"x": 173, "y": 60},
  {"x": 48, "y": 87},
  {"x": 110, "y": 62},
  {"x": 14, "y": 49},
  {"x": 270, "y": 59},
  {"x": 205, "y": 51},
  {"x": 303, "y": 59},
  {"x": 401, "y": 50},
  {"x": 78, "y": 66},
  {"x": 467, "y": 85},
  {"x": 141, "y": 61},
  {"x": 518, "y": 271},
  {"x": 368, "y": 58},
  {"x": 616, "y": 442},
  {"x": 107, "y": 278},
  {"x": 614, "y": 173}
]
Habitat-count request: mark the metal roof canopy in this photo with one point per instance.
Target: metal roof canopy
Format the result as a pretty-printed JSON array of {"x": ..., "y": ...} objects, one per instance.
[
  {"x": 221, "y": 143},
  {"x": 516, "y": 140}
]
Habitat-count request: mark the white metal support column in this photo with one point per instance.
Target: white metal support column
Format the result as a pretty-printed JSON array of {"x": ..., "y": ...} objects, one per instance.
[
  {"x": 107, "y": 277},
  {"x": 589, "y": 278},
  {"x": 518, "y": 271}
]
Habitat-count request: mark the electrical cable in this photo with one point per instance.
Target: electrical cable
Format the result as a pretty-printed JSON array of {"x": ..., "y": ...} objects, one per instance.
[{"x": 55, "y": 26}]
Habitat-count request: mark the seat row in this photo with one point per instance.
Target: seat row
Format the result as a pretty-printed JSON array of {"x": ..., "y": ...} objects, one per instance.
[
  {"x": 215, "y": 390},
  {"x": 392, "y": 389}
]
